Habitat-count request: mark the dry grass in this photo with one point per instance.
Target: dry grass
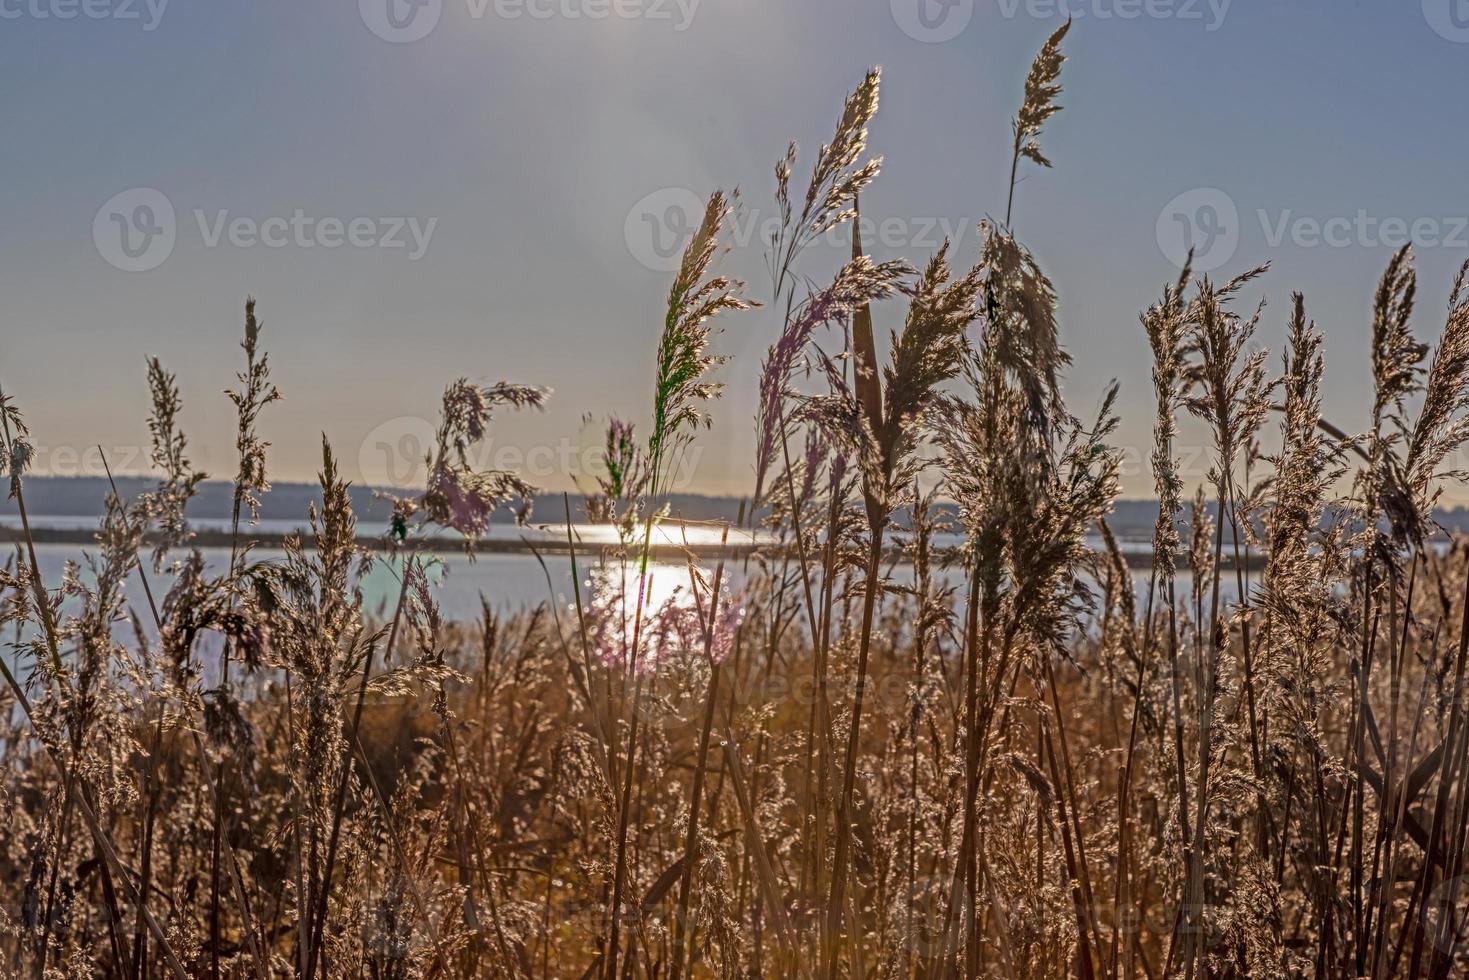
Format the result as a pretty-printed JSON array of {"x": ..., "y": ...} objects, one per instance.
[{"x": 1021, "y": 765}]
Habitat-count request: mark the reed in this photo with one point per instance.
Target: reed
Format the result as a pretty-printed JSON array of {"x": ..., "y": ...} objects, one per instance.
[{"x": 937, "y": 724}]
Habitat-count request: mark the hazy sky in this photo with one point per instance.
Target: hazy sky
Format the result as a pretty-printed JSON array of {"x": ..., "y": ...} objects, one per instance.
[{"x": 495, "y": 197}]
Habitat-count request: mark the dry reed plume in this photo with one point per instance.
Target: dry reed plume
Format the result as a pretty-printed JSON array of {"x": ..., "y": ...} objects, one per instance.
[{"x": 857, "y": 753}]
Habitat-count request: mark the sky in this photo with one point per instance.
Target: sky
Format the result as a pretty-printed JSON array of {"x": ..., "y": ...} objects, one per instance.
[{"x": 419, "y": 190}]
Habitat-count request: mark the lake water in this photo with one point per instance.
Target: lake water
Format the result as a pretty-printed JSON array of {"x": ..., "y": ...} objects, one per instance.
[{"x": 508, "y": 582}]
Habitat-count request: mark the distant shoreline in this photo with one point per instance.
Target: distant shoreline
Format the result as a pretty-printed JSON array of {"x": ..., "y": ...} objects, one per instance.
[
  {"x": 11, "y": 535},
  {"x": 209, "y": 538},
  {"x": 1131, "y": 519}
]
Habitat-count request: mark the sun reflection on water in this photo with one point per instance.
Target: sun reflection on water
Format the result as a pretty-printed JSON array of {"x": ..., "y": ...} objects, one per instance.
[{"x": 674, "y": 601}]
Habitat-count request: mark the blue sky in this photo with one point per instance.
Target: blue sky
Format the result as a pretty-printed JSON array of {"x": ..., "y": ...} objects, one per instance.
[{"x": 477, "y": 201}]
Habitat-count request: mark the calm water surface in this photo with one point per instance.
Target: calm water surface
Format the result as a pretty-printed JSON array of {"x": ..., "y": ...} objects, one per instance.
[{"x": 507, "y": 582}]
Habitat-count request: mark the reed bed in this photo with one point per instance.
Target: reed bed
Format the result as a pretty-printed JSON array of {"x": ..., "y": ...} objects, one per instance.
[{"x": 1010, "y": 760}]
